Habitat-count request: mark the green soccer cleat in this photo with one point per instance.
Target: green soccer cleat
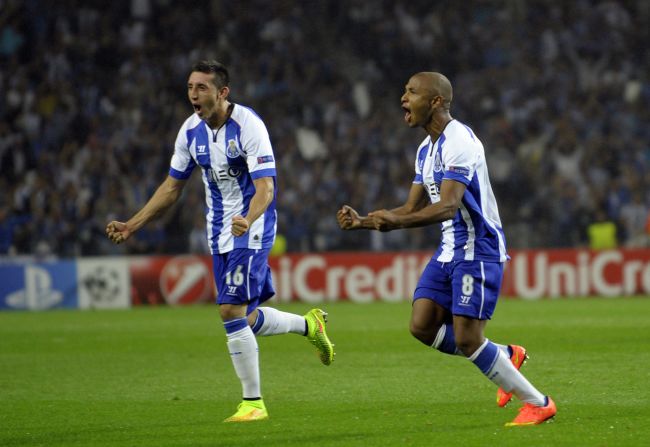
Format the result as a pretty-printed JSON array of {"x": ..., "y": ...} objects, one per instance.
[
  {"x": 316, "y": 319},
  {"x": 249, "y": 411}
]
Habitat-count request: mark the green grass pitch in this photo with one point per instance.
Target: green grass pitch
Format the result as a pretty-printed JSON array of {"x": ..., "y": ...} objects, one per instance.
[{"x": 162, "y": 377}]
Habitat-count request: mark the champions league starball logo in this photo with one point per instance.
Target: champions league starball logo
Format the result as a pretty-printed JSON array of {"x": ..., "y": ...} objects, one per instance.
[{"x": 102, "y": 285}]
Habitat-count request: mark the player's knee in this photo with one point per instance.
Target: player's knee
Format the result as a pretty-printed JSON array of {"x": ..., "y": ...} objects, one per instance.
[
  {"x": 231, "y": 312},
  {"x": 252, "y": 318},
  {"x": 424, "y": 334}
]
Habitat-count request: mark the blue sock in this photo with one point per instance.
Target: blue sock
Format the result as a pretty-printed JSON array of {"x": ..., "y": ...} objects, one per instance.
[
  {"x": 499, "y": 369},
  {"x": 445, "y": 341},
  {"x": 235, "y": 325},
  {"x": 485, "y": 356},
  {"x": 259, "y": 321}
]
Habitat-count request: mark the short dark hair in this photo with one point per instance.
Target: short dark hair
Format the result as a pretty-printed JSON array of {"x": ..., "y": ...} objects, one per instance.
[{"x": 221, "y": 76}]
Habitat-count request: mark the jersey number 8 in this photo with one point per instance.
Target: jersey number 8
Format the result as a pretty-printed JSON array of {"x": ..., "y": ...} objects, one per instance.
[{"x": 468, "y": 284}]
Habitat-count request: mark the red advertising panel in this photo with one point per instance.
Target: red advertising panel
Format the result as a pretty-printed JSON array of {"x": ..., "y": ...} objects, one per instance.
[
  {"x": 530, "y": 274},
  {"x": 368, "y": 277},
  {"x": 533, "y": 274},
  {"x": 171, "y": 280},
  {"x": 358, "y": 277}
]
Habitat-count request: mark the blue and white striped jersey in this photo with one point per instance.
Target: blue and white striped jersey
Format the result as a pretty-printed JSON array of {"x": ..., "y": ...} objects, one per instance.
[
  {"x": 475, "y": 232},
  {"x": 230, "y": 158}
]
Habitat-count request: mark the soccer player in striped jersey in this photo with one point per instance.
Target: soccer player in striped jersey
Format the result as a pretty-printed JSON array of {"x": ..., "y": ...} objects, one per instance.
[
  {"x": 458, "y": 290},
  {"x": 231, "y": 147}
]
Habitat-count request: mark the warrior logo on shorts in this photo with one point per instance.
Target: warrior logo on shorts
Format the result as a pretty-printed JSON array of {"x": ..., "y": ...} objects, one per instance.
[{"x": 232, "y": 151}]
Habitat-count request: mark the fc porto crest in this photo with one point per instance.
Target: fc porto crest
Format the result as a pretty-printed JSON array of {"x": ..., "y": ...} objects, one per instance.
[
  {"x": 232, "y": 150},
  {"x": 437, "y": 163}
]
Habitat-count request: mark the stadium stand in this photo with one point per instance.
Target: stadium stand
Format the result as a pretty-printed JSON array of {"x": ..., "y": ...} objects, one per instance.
[{"x": 91, "y": 100}]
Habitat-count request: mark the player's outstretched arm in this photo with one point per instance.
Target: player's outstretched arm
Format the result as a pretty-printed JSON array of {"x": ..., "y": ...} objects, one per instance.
[{"x": 165, "y": 196}]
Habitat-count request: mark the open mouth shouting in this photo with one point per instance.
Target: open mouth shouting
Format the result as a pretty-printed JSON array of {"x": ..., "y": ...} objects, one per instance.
[{"x": 407, "y": 114}]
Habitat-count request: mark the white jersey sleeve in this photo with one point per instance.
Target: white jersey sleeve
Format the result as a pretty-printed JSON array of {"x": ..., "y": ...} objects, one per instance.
[
  {"x": 182, "y": 163},
  {"x": 256, "y": 145},
  {"x": 419, "y": 159},
  {"x": 460, "y": 159}
]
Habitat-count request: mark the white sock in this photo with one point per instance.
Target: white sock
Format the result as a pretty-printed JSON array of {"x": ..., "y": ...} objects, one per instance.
[
  {"x": 243, "y": 349},
  {"x": 504, "y": 349},
  {"x": 271, "y": 321},
  {"x": 496, "y": 365}
]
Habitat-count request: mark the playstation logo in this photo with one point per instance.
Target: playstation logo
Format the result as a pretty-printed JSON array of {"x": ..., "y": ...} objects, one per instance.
[{"x": 38, "y": 293}]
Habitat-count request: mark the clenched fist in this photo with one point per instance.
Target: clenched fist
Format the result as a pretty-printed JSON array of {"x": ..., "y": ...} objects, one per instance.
[
  {"x": 348, "y": 218},
  {"x": 117, "y": 232}
]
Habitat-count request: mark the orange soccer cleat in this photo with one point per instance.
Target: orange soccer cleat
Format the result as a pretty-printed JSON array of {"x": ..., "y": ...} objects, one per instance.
[
  {"x": 518, "y": 358},
  {"x": 530, "y": 414}
]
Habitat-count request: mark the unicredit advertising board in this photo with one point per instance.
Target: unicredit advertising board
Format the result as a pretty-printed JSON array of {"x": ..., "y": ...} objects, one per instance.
[
  {"x": 119, "y": 282},
  {"x": 534, "y": 274},
  {"x": 368, "y": 277},
  {"x": 530, "y": 274}
]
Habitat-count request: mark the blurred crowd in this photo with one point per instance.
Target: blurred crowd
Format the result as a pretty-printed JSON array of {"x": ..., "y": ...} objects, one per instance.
[{"x": 92, "y": 97}]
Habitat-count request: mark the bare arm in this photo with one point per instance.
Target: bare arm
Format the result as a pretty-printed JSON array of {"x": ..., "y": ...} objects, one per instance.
[
  {"x": 451, "y": 194},
  {"x": 259, "y": 203},
  {"x": 165, "y": 196},
  {"x": 349, "y": 219},
  {"x": 416, "y": 200}
]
